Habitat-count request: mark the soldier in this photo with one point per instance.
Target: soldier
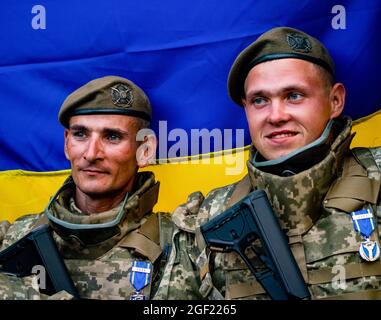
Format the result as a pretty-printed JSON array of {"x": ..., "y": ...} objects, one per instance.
[
  {"x": 102, "y": 215},
  {"x": 326, "y": 196}
]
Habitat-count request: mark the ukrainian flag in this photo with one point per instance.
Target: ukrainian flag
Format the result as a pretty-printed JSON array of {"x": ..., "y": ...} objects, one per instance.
[{"x": 180, "y": 53}]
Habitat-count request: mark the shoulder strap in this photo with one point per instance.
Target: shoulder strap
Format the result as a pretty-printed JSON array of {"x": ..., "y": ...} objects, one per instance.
[
  {"x": 357, "y": 185},
  {"x": 147, "y": 201},
  {"x": 144, "y": 240}
]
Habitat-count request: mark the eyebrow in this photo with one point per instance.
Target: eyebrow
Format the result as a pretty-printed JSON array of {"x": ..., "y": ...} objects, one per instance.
[
  {"x": 78, "y": 127},
  {"x": 115, "y": 130},
  {"x": 267, "y": 93}
]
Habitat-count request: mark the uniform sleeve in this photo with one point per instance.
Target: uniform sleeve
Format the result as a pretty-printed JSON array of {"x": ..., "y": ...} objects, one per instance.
[
  {"x": 10, "y": 233},
  {"x": 181, "y": 280},
  {"x": 4, "y": 226},
  {"x": 181, "y": 276},
  {"x": 14, "y": 288},
  {"x": 26, "y": 288},
  {"x": 376, "y": 152}
]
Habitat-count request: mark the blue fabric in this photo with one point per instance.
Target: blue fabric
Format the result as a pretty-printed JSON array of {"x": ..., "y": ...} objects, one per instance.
[
  {"x": 179, "y": 52},
  {"x": 364, "y": 226},
  {"x": 140, "y": 279}
]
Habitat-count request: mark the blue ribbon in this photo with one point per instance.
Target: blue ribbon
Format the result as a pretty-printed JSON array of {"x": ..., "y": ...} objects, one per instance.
[
  {"x": 141, "y": 274},
  {"x": 364, "y": 226}
]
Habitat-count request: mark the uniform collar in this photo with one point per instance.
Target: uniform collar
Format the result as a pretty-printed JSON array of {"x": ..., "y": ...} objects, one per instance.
[{"x": 105, "y": 228}]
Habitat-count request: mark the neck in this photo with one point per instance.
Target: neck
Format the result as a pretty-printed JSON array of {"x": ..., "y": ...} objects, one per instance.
[{"x": 96, "y": 203}]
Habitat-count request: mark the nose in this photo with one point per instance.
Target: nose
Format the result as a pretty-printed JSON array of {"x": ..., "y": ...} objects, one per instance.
[
  {"x": 278, "y": 113},
  {"x": 94, "y": 150}
]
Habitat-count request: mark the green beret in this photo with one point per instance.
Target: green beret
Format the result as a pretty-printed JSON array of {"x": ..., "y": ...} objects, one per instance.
[
  {"x": 107, "y": 95},
  {"x": 277, "y": 43}
]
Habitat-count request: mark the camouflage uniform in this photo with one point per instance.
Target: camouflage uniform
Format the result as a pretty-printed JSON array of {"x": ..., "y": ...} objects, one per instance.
[
  {"x": 313, "y": 209},
  {"x": 100, "y": 271}
]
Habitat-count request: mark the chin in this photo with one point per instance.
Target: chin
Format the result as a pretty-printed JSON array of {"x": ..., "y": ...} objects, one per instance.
[
  {"x": 92, "y": 189},
  {"x": 279, "y": 154}
]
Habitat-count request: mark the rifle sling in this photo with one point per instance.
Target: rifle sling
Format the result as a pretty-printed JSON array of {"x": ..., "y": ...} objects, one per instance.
[{"x": 297, "y": 249}]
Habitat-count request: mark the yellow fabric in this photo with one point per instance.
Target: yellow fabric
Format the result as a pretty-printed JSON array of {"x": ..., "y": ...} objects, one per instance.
[{"x": 23, "y": 192}]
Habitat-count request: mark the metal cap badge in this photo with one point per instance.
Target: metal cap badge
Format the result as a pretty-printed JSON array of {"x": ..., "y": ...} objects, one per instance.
[{"x": 121, "y": 95}]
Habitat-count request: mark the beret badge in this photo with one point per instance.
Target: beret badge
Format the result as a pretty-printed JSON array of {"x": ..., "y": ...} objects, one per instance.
[
  {"x": 121, "y": 95},
  {"x": 299, "y": 43}
]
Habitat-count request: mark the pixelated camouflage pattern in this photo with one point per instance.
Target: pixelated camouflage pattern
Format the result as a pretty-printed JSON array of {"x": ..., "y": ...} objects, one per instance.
[
  {"x": 13, "y": 288},
  {"x": 294, "y": 198},
  {"x": 376, "y": 152},
  {"x": 180, "y": 277},
  {"x": 4, "y": 226},
  {"x": 104, "y": 278},
  {"x": 327, "y": 234},
  {"x": 20, "y": 228},
  {"x": 61, "y": 295},
  {"x": 99, "y": 272}
]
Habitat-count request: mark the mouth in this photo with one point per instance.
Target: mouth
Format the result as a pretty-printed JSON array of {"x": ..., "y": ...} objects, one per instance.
[
  {"x": 93, "y": 171},
  {"x": 280, "y": 135}
]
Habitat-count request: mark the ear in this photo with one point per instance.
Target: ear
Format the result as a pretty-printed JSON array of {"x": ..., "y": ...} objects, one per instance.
[
  {"x": 146, "y": 152},
  {"x": 66, "y": 134},
  {"x": 337, "y": 100},
  {"x": 243, "y": 101}
]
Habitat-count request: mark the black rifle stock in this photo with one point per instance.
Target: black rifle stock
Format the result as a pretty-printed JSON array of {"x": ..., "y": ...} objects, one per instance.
[
  {"x": 248, "y": 220},
  {"x": 38, "y": 248}
]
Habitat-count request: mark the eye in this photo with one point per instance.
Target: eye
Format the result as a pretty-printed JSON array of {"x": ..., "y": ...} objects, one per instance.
[
  {"x": 295, "y": 96},
  {"x": 113, "y": 137},
  {"x": 79, "y": 134},
  {"x": 258, "y": 101}
]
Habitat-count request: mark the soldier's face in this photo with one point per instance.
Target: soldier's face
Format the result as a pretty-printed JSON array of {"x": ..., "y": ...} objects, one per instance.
[
  {"x": 102, "y": 152},
  {"x": 288, "y": 104}
]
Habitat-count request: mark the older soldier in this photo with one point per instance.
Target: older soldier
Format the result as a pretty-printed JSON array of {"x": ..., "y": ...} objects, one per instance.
[
  {"x": 102, "y": 215},
  {"x": 301, "y": 158}
]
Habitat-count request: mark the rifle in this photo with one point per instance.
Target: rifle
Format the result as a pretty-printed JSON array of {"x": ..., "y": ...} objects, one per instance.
[
  {"x": 248, "y": 220},
  {"x": 38, "y": 248}
]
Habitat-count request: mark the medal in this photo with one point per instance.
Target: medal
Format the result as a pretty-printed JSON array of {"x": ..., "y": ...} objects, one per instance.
[
  {"x": 138, "y": 296},
  {"x": 364, "y": 224},
  {"x": 369, "y": 250},
  {"x": 140, "y": 277}
]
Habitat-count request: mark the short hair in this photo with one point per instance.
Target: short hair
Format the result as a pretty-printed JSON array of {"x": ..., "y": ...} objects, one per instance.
[
  {"x": 327, "y": 77},
  {"x": 142, "y": 124}
]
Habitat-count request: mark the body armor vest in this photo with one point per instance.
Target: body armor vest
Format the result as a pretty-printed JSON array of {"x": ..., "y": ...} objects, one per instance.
[
  {"x": 313, "y": 209},
  {"x": 103, "y": 270}
]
